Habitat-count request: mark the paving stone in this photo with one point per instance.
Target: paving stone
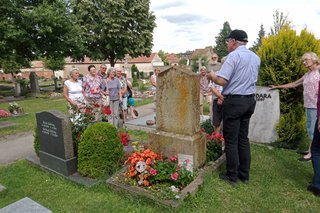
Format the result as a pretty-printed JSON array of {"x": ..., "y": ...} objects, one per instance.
[{"x": 25, "y": 205}]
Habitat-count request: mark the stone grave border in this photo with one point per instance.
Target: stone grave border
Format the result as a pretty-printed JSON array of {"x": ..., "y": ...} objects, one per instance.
[
  {"x": 76, "y": 177},
  {"x": 190, "y": 189}
]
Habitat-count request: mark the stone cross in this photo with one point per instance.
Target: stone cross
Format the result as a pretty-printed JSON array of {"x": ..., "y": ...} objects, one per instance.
[{"x": 178, "y": 116}]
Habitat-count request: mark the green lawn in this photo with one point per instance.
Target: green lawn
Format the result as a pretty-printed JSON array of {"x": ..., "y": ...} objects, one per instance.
[
  {"x": 278, "y": 184},
  {"x": 33, "y": 105}
]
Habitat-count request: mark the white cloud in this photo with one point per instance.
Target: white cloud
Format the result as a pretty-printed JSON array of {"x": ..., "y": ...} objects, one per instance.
[{"x": 189, "y": 24}]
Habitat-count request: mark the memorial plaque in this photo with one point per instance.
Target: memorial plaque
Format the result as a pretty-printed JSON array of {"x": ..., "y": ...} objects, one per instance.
[
  {"x": 56, "y": 145},
  {"x": 266, "y": 116}
]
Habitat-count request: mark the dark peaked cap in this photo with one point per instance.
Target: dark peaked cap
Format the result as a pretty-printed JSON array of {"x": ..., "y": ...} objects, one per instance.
[{"x": 238, "y": 35}]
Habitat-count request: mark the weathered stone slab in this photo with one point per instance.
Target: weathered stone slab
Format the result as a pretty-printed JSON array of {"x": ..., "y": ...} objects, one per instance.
[
  {"x": 25, "y": 205},
  {"x": 178, "y": 115},
  {"x": 56, "y": 144},
  {"x": 263, "y": 122},
  {"x": 192, "y": 188},
  {"x": 173, "y": 144},
  {"x": 178, "y": 101}
]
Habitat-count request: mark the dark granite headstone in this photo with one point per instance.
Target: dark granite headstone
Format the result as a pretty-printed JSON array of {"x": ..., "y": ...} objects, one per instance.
[
  {"x": 34, "y": 84},
  {"x": 56, "y": 145}
]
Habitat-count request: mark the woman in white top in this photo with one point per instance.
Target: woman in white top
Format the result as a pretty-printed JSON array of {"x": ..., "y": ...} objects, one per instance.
[{"x": 72, "y": 92}]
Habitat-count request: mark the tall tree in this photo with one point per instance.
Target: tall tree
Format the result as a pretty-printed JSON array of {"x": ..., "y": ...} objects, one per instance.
[
  {"x": 221, "y": 47},
  {"x": 113, "y": 28},
  {"x": 36, "y": 28},
  {"x": 258, "y": 42},
  {"x": 279, "y": 21}
]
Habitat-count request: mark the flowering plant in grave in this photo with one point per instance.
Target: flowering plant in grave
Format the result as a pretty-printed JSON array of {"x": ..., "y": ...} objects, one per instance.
[
  {"x": 124, "y": 137},
  {"x": 4, "y": 113},
  {"x": 215, "y": 143},
  {"x": 147, "y": 168},
  {"x": 14, "y": 108}
]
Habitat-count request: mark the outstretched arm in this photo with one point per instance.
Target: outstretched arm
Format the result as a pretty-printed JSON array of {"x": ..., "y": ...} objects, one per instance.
[{"x": 289, "y": 85}]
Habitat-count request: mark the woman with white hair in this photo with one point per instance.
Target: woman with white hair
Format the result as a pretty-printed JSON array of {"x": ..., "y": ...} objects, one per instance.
[
  {"x": 72, "y": 92},
  {"x": 310, "y": 94},
  {"x": 115, "y": 96}
]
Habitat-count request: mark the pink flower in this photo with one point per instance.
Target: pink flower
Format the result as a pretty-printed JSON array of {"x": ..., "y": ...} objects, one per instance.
[
  {"x": 153, "y": 172},
  {"x": 174, "y": 176},
  {"x": 173, "y": 158}
]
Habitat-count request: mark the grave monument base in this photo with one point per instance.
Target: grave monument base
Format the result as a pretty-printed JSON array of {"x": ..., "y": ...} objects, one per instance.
[
  {"x": 173, "y": 144},
  {"x": 59, "y": 165}
]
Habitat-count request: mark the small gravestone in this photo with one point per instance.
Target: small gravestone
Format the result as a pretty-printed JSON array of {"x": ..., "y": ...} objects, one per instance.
[
  {"x": 178, "y": 116},
  {"x": 17, "y": 89},
  {"x": 34, "y": 84},
  {"x": 266, "y": 116},
  {"x": 25, "y": 205},
  {"x": 56, "y": 145}
]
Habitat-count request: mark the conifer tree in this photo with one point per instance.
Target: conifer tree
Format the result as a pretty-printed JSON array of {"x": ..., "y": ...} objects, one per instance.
[
  {"x": 280, "y": 64},
  {"x": 221, "y": 47},
  {"x": 258, "y": 42}
]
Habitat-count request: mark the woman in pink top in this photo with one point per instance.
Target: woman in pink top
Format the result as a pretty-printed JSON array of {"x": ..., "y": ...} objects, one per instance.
[{"x": 310, "y": 93}]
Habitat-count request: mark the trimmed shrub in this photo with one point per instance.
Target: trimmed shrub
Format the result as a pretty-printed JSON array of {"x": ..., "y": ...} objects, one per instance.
[
  {"x": 100, "y": 151},
  {"x": 36, "y": 144}
]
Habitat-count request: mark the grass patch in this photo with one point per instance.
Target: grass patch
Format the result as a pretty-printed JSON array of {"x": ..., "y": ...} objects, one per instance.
[
  {"x": 31, "y": 106},
  {"x": 278, "y": 184}
]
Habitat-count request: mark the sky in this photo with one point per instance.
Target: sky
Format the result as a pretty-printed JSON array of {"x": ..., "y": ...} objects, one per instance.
[{"x": 191, "y": 24}]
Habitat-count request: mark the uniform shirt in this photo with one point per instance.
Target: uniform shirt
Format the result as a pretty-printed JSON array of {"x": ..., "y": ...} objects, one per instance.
[{"x": 241, "y": 71}]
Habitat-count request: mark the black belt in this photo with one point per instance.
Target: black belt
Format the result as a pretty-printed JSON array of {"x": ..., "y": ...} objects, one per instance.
[{"x": 238, "y": 96}]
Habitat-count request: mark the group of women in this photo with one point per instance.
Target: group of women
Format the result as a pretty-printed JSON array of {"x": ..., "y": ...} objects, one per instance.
[{"x": 97, "y": 90}]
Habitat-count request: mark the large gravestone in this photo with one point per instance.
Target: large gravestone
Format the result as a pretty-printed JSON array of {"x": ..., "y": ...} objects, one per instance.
[
  {"x": 177, "y": 116},
  {"x": 56, "y": 145},
  {"x": 34, "y": 84},
  {"x": 266, "y": 116}
]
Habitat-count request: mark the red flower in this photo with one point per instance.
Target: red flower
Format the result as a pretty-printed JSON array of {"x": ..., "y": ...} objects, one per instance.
[
  {"x": 96, "y": 105},
  {"x": 124, "y": 138},
  {"x": 174, "y": 176},
  {"x": 173, "y": 158},
  {"x": 107, "y": 110},
  {"x": 153, "y": 172}
]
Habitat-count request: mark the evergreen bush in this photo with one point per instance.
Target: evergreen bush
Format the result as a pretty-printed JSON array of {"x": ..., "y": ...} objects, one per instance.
[
  {"x": 281, "y": 64},
  {"x": 100, "y": 151}
]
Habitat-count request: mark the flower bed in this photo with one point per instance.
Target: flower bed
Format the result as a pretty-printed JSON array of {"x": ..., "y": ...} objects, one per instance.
[{"x": 162, "y": 193}]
